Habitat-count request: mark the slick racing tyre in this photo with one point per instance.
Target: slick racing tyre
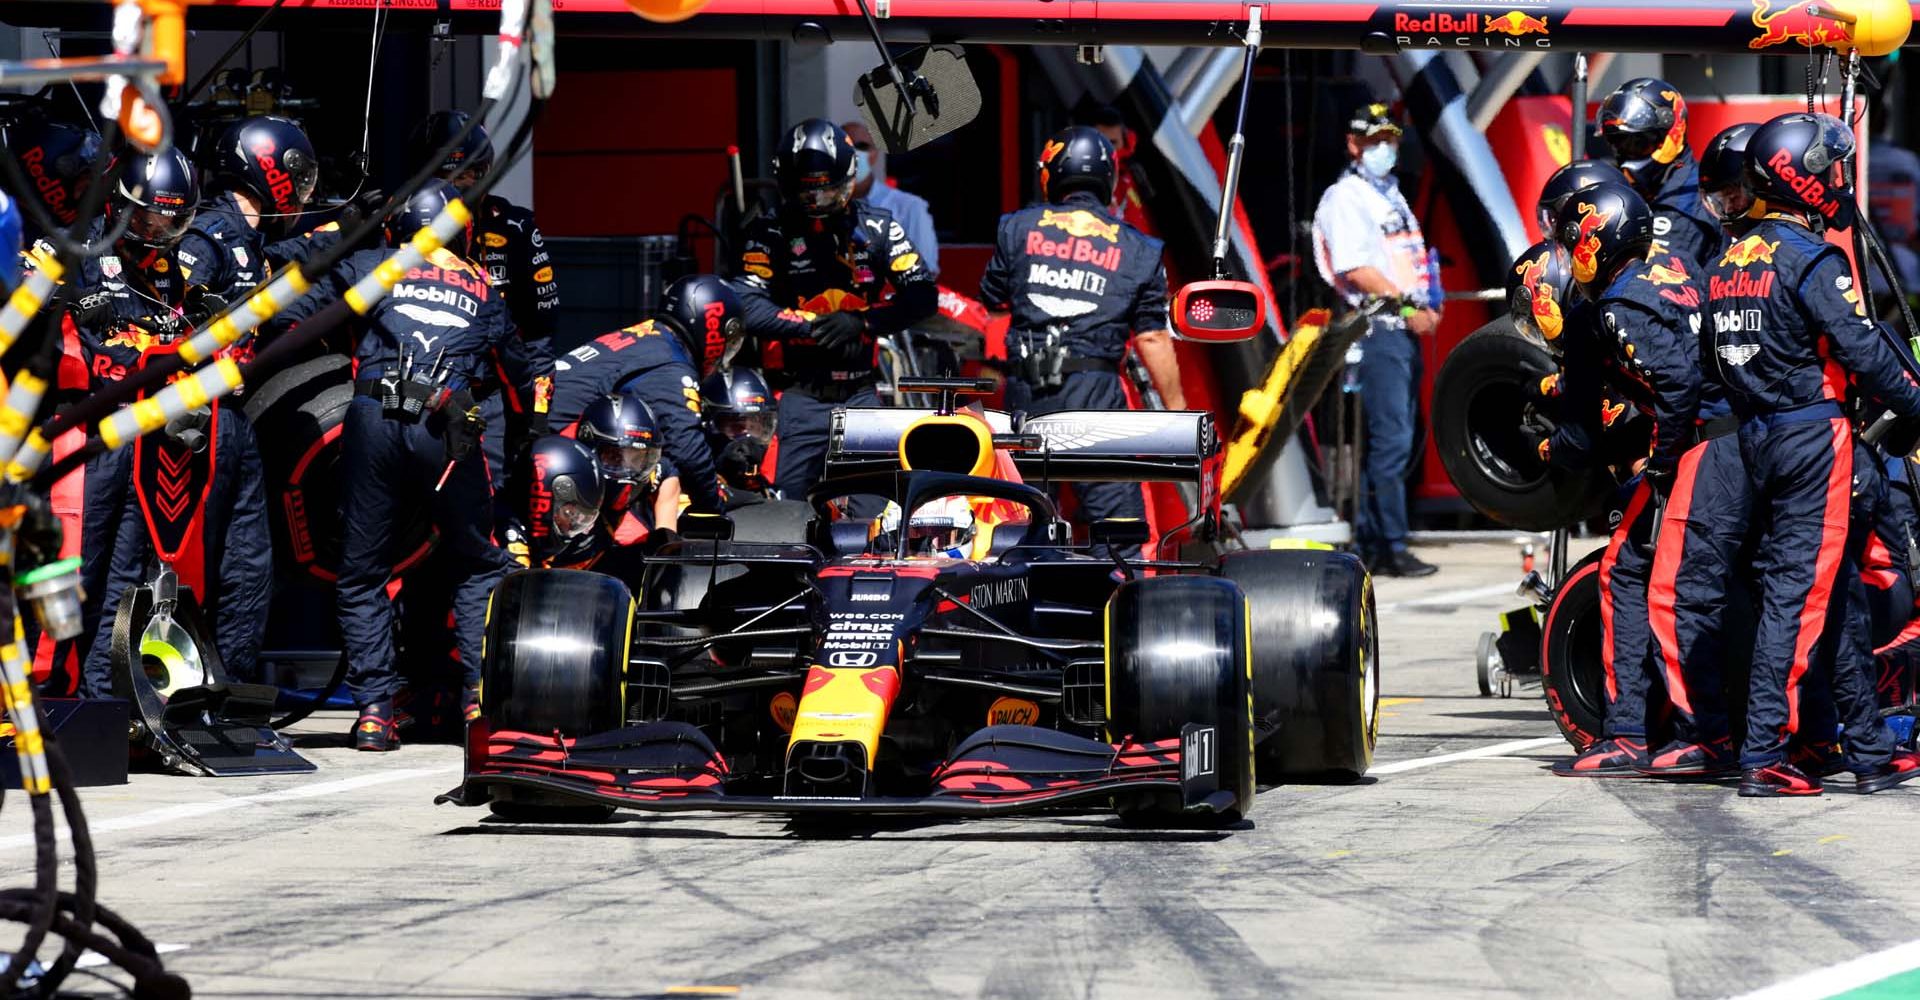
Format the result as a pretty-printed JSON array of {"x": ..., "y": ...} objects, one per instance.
[
  {"x": 555, "y": 662},
  {"x": 1479, "y": 398},
  {"x": 1572, "y": 674},
  {"x": 1316, "y": 662},
  {"x": 298, "y": 415},
  {"x": 1176, "y": 655}
]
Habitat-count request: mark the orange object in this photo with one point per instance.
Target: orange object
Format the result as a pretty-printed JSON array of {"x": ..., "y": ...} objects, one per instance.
[{"x": 168, "y": 20}]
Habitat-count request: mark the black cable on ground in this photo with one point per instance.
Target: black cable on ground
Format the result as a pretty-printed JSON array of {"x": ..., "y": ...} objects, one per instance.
[{"x": 300, "y": 713}]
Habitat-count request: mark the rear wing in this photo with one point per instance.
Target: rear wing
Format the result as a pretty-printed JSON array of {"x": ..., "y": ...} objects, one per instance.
[{"x": 1088, "y": 446}]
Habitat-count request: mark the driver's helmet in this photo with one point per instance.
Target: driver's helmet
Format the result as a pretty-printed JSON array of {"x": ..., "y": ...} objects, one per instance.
[{"x": 943, "y": 527}]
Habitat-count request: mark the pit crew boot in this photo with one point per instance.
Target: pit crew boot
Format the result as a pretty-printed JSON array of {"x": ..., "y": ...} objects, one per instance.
[
  {"x": 1822, "y": 760},
  {"x": 1621, "y": 757},
  {"x": 375, "y": 729},
  {"x": 470, "y": 703},
  {"x": 1904, "y": 766},
  {"x": 1680, "y": 759},
  {"x": 1778, "y": 780}
]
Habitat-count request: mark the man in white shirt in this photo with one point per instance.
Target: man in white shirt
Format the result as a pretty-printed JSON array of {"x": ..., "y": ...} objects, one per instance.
[
  {"x": 1368, "y": 245},
  {"x": 910, "y": 210}
]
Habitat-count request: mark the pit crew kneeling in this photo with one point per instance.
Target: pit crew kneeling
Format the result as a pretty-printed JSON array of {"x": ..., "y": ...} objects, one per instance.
[{"x": 602, "y": 499}]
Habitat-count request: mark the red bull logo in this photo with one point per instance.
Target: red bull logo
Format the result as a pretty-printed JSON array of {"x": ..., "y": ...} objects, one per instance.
[
  {"x": 133, "y": 337},
  {"x": 279, "y": 182},
  {"x": 833, "y": 300},
  {"x": 1545, "y": 307},
  {"x": 1610, "y": 411},
  {"x": 1673, "y": 272},
  {"x": 540, "y": 504},
  {"x": 1811, "y": 189},
  {"x": 1081, "y": 223},
  {"x": 1741, "y": 285},
  {"x": 1675, "y": 141},
  {"x": 1079, "y": 251},
  {"x": 1794, "y": 24},
  {"x": 1052, "y": 149},
  {"x": 1514, "y": 23},
  {"x": 1748, "y": 252},
  {"x": 1586, "y": 244}
]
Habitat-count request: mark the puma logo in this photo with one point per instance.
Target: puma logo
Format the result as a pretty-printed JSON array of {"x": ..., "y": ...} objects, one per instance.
[{"x": 426, "y": 342}]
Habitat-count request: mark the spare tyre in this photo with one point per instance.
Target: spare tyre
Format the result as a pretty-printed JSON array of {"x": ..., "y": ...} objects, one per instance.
[
  {"x": 298, "y": 415},
  {"x": 1480, "y": 397},
  {"x": 1316, "y": 662}
]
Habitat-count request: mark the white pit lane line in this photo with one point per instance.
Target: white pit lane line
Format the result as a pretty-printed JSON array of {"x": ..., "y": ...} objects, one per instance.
[
  {"x": 189, "y": 810},
  {"x": 1845, "y": 977},
  {"x": 1451, "y": 597},
  {"x": 1492, "y": 750}
]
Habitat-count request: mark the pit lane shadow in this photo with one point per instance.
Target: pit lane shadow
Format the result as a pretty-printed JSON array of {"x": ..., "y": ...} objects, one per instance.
[{"x": 1040, "y": 829}]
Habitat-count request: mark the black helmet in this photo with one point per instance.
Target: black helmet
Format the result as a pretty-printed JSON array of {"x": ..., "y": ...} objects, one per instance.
[
  {"x": 271, "y": 158},
  {"x": 736, "y": 402},
  {"x": 815, "y": 167},
  {"x": 159, "y": 194},
  {"x": 621, "y": 431},
  {"x": 1645, "y": 124},
  {"x": 474, "y": 153},
  {"x": 1796, "y": 160},
  {"x": 1565, "y": 181},
  {"x": 703, "y": 311},
  {"x": 58, "y": 159},
  {"x": 1076, "y": 158},
  {"x": 1601, "y": 228},
  {"x": 420, "y": 211},
  {"x": 558, "y": 486},
  {"x": 1723, "y": 171},
  {"x": 1538, "y": 288}
]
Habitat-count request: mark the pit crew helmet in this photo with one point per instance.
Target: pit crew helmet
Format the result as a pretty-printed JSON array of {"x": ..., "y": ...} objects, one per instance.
[
  {"x": 1798, "y": 161},
  {"x": 271, "y": 158},
  {"x": 471, "y": 157},
  {"x": 737, "y": 403},
  {"x": 703, "y": 311},
  {"x": 1575, "y": 176},
  {"x": 623, "y": 435},
  {"x": 1539, "y": 286},
  {"x": 1644, "y": 122},
  {"x": 815, "y": 167},
  {"x": 58, "y": 158},
  {"x": 1077, "y": 158},
  {"x": 420, "y": 211},
  {"x": 159, "y": 194},
  {"x": 1602, "y": 228},
  {"x": 559, "y": 490},
  {"x": 1723, "y": 173}
]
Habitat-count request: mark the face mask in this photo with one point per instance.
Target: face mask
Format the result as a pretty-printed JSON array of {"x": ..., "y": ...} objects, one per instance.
[
  {"x": 1379, "y": 158},
  {"x": 862, "y": 167}
]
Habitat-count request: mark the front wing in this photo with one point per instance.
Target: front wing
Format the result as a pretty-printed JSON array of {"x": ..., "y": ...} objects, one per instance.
[{"x": 672, "y": 767}]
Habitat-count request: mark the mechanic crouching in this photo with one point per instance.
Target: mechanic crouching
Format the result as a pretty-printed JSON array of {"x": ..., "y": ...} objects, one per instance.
[
  {"x": 1080, "y": 285},
  {"x": 811, "y": 284},
  {"x": 556, "y": 491},
  {"x": 1637, "y": 339},
  {"x": 1789, "y": 334},
  {"x": 737, "y": 416},
  {"x": 657, "y": 359},
  {"x": 412, "y": 437},
  {"x": 635, "y": 493}
]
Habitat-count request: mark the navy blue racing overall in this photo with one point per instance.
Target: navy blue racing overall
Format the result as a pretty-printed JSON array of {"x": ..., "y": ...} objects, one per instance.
[{"x": 651, "y": 361}]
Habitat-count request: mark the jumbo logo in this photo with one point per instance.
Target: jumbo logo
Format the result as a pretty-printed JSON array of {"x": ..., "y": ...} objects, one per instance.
[
  {"x": 1586, "y": 242},
  {"x": 1515, "y": 23},
  {"x": 1794, "y": 23},
  {"x": 1748, "y": 252},
  {"x": 1081, "y": 223},
  {"x": 1012, "y": 712},
  {"x": 1545, "y": 308},
  {"x": 1675, "y": 140}
]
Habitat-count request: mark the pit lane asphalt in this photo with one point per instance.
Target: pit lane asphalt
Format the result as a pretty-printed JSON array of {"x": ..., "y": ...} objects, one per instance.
[{"x": 1468, "y": 877}]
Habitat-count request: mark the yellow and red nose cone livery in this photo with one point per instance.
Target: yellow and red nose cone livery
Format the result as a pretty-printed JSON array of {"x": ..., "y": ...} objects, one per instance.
[
  {"x": 1012, "y": 712},
  {"x": 1675, "y": 141},
  {"x": 1515, "y": 23},
  {"x": 834, "y": 300},
  {"x": 1081, "y": 223},
  {"x": 845, "y": 705},
  {"x": 1586, "y": 244},
  {"x": 1750, "y": 251}
]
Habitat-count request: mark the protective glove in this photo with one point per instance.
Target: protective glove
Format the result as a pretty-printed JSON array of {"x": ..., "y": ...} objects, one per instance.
[
  {"x": 660, "y": 538},
  {"x": 538, "y": 426},
  {"x": 364, "y": 206},
  {"x": 462, "y": 436},
  {"x": 202, "y": 305},
  {"x": 840, "y": 332}
]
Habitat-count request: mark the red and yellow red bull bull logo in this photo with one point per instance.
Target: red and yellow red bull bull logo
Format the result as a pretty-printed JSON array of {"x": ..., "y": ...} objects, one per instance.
[
  {"x": 1793, "y": 22},
  {"x": 1586, "y": 245},
  {"x": 833, "y": 300},
  {"x": 1673, "y": 272},
  {"x": 1748, "y": 252},
  {"x": 1515, "y": 23},
  {"x": 1675, "y": 141},
  {"x": 1545, "y": 307},
  {"x": 1081, "y": 223}
]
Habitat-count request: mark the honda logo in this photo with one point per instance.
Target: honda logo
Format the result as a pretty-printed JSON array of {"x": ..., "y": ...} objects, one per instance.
[{"x": 843, "y": 658}]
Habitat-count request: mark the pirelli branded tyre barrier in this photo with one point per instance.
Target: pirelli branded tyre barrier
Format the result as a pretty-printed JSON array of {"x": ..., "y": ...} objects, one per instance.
[
  {"x": 299, "y": 414},
  {"x": 1316, "y": 662},
  {"x": 1480, "y": 401}
]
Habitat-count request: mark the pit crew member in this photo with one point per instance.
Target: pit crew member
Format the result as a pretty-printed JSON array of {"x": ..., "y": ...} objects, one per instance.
[
  {"x": 1644, "y": 122},
  {"x": 260, "y": 177},
  {"x": 737, "y": 415}
]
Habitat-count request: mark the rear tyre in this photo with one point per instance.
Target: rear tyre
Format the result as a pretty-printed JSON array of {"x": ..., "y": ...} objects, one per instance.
[
  {"x": 1572, "y": 674},
  {"x": 1483, "y": 664},
  {"x": 1479, "y": 398},
  {"x": 1316, "y": 662},
  {"x": 1177, "y": 654}
]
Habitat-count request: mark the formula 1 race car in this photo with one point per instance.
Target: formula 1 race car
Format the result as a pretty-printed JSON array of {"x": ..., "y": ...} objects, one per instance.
[{"x": 921, "y": 636}]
